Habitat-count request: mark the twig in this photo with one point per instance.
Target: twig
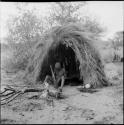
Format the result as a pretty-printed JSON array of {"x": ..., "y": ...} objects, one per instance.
[
  {"x": 12, "y": 98},
  {"x": 8, "y": 97},
  {"x": 10, "y": 88},
  {"x": 33, "y": 90},
  {"x": 8, "y": 94},
  {"x": 3, "y": 91}
]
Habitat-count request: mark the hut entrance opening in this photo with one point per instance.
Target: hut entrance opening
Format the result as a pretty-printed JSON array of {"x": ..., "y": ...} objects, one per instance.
[{"x": 66, "y": 56}]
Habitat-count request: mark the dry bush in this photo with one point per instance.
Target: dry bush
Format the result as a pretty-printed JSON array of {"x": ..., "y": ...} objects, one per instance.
[
  {"x": 114, "y": 71},
  {"x": 19, "y": 58},
  {"x": 107, "y": 55},
  {"x": 24, "y": 31}
]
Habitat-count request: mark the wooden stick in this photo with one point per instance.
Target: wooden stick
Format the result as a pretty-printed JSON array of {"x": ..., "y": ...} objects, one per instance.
[
  {"x": 12, "y": 98},
  {"x": 33, "y": 90},
  {"x": 7, "y": 94},
  {"x": 53, "y": 75},
  {"x": 6, "y": 89},
  {"x": 3, "y": 91}
]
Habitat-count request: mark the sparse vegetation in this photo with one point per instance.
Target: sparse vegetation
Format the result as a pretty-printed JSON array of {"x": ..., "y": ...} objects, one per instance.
[
  {"x": 117, "y": 45},
  {"x": 25, "y": 31},
  {"x": 32, "y": 42}
]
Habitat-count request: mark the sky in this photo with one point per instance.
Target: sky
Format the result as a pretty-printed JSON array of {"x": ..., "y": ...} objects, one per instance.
[{"x": 108, "y": 13}]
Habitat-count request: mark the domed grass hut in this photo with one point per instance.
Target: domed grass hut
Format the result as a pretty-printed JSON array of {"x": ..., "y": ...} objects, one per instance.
[{"x": 71, "y": 46}]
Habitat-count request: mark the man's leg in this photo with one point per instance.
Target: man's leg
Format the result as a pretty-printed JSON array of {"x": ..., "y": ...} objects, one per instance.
[
  {"x": 56, "y": 83},
  {"x": 62, "y": 81}
]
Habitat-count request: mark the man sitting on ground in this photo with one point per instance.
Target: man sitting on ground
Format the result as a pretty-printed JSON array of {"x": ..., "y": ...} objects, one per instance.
[{"x": 58, "y": 76}]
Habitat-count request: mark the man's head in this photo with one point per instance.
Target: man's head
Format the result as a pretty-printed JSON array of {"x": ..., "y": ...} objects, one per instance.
[{"x": 57, "y": 65}]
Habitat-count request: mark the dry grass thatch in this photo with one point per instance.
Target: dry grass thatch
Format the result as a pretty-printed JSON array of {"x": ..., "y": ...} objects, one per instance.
[{"x": 74, "y": 48}]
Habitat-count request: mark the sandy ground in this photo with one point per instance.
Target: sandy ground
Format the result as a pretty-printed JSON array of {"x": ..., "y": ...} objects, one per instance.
[{"x": 102, "y": 107}]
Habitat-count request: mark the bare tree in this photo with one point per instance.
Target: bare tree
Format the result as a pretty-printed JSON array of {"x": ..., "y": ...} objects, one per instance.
[
  {"x": 117, "y": 45},
  {"x": 67, "y": 12},
  {"x": 64, "y": 12},
  {"x": 117, "y": 41}
]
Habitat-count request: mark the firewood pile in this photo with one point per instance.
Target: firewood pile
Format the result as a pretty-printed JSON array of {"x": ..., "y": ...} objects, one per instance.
[{"x": 10, "y": 93}]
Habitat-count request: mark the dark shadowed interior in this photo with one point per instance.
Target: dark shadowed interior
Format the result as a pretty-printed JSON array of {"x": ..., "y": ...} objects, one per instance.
[{"x": 66, "y": 56}]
